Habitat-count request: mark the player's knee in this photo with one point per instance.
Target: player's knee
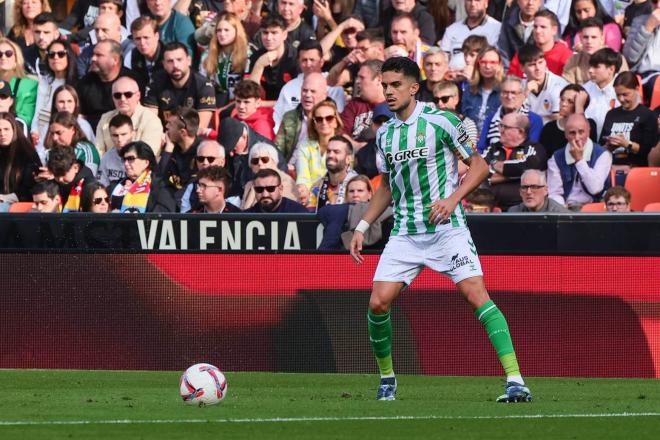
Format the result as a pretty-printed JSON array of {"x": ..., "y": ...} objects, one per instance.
[{"x": 378, "y": 306}]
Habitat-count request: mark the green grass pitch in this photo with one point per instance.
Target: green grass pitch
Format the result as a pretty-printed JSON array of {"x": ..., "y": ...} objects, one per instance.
[{"x": 54, "y": 404}]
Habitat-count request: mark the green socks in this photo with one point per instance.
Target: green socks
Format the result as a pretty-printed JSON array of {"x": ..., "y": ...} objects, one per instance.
[
  {"x": 380, "y": 336},
  {"x": 498, "y": 331}
]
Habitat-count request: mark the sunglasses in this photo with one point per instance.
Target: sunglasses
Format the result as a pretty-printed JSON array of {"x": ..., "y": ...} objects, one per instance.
[
  {"x": 264, "y": 160},
  {"x": 118, "y": 95},
  {"x": 99, "y": 200},
  {"x": 129, "y": 159},
  {"x": 444, "y": 99},
  {"x": 57, "y": 54},
  {"x": 270, "y": 189},
  {"x": 201, "y": 159},
  {"x": 319, "y": 119},
  {"x": 7, "y": 53}
]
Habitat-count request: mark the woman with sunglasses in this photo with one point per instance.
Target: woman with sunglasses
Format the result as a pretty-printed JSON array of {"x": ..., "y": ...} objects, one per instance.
[
  {"x": 64, "y": 130},
  {"x": 18, "y": 162},
  {"x": 95, "y": 198},
  {"x": 142, "y": 190},
  {"x": 264, "y": 156},
  {"x": 323, "y": 124},
  {"x": 23, "y": 88},
  {"x": 481, "y": 96},
  {"x": 227, "y": 57},
  {"x": 60, "y": 70},
  {"x": 24, "y": 13}
]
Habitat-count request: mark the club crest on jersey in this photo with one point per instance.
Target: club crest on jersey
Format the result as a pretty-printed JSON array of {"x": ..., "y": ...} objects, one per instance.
[{"x": 406, "y": 155}]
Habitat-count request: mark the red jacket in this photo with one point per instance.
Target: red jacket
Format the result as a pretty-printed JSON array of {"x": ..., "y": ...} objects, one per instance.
[
  {"x": 555, "y": 58},
  {"x": 260, "y": 121}
]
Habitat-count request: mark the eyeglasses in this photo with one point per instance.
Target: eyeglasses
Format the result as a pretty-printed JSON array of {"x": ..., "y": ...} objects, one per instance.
[
  {"x": 129, "y": 159},
  {"x": 7, "y": 53},
  {"x": 270, "y": 188},
  {"x": 510, "y": 92},
  {"x": 128, "y": 95},
  {"x": 99, "y": 200},
  {"x": 509, "y": 127},
  {"x": 263, "y": 159},
  {"x": 201, "y": 159},
  {"x": 444, "y": 99},
  {"x": 57, "y": 54},
  {"x": 320, "y": 119},
  {"x": 524, "y": 188},
  {"x": 203, "y": 186},
  {"x": 489, "y": 63}
]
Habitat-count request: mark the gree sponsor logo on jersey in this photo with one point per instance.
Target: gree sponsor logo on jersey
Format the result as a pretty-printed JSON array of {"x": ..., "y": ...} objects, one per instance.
[{"x": 406, "y": 155}]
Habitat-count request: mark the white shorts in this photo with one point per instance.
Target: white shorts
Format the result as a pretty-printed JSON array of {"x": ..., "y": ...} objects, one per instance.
[{"x": 450, "y": 252}]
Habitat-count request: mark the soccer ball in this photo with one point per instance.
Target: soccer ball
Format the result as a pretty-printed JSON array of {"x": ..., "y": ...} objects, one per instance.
[{"x": 203, "y": 384}]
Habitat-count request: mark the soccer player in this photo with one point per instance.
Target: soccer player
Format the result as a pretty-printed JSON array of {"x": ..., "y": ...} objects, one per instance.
[{"x": 418, "y": 154}]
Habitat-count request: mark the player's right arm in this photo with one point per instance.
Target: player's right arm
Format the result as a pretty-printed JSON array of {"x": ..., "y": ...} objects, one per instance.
[{"x": 378, "y": 204}]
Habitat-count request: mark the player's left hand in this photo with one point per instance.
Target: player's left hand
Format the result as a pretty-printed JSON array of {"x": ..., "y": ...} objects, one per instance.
[{"x": 441, "y": 210}]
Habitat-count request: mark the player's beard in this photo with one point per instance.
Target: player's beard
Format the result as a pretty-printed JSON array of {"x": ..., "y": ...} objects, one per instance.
[{"x": 401, "y": 105}]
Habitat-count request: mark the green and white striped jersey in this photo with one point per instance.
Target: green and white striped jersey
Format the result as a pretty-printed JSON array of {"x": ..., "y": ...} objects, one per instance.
[{"x": 421, "y": 157}]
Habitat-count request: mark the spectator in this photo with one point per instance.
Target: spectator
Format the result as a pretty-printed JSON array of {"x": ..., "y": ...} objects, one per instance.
[
  {"x": 65, "y": 99},
  {"x": 517, "y": 28},
  {"x": 617, "y": 199},
  {"x": 46, "y": 197},
  {"x": 209, "y": 153},
  {"x": 630, "y": 130},
  {"x": 270, "y": 194},
  {"x": 476, "y": 23},
  {"x": 479, "y": 201},
  {"x": 534, "y": 193},
  {"x": 126, "y": 98},
  {"x": 417, "y": 12},
  {"x": 482, "y": 96},
  {"x": 18, "y": 162},
  {"x": 510, "y": 157},
  {"x": 23, "y": 88},
  {"x": 70, "y": 174},
  {"x": 562, "y": 9},
  {"x": 405, "y": 33},
  {"x": 357, "y": 113},
  {"x": 247, "y": 11},
  {"x": 346, "y": 32},
  {"x": 122, "y": 133},
  {"x": 642, "y": 48},
  {"x": 512, "y": 96},
  {"x": 573, "y": 99},
  {"x": 323, "y": 125},
  {"x": 81, "y": 17},
  {"x": 7, "y": 106},
  {"x": 180, "y": 86},
  {"x": 576, "y": 69},
  {"x": 543, "y": 86},
  {"x": 45, "y": 31},
  {"x": 359, "y": 189},
  {"x": 634, "y": 10},
  {"x": 24, "y": 13},
  {"x": 446, "y": 97},
  {"x": 331, "y": 188},
  {"x": 142, "y": 190},
  {"x": 177, "y": 160},
  {"x": 370, "y": 46},
  {"x": 435, "y": 68},
  {"x": 579, "y": 172},
  {"x": 147, "y": 57},
  {"x": 556, "y": 53},
  {"x": 65, "y": 131},
  {"x": 310, "y": 60},
  {"x": 461, "y": 64},
  {"x": 213, "y": 183},
  {"x": 366, "y": 156},
  {"x": 95, "y": 88},
  {"x": 603, "y": 66},
  {"x": 95, "y": 198},
  {"x": 85, "y": 33},
  {"x": 172, "y": 25},
  {"x": 225, "y": 61},
  {"x": 248, "y": 109},
  {"x": 275, "y": 64},
  {"x": 264, "y": 156},
  {"x": 106, "y": 27},
  {"x": 582, "y": 10},
  {"x": 60, "y": 69},
  {"x": 296, "y": 29}
]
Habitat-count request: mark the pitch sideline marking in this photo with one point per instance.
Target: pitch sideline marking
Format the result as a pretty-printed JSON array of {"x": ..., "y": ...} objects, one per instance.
[{"x": 316, "y": 419}]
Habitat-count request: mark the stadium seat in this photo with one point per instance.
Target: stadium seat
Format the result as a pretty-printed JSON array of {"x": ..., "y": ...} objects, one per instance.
[
  {"x": 21, "y": 207},
  {"x": 652, "y": 207},
  {"x": 655, "y": 97},
  {"x": 644, "y": 186},
  {"x": 594, "y": 207}
]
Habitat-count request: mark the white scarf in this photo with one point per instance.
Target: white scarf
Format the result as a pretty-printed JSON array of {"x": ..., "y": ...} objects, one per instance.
[{"x": 588, "y": 149}]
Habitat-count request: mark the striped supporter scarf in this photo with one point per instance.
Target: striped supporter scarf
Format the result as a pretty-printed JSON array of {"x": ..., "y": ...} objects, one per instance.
[
  {"x": 135, "y": 199},
  {"x": 73, "y": 202}
]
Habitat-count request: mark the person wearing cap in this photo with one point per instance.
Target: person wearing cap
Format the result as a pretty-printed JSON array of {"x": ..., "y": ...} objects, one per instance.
[
  {"x": 7, "y": 105},
  {"x": 365, "y": 158}
]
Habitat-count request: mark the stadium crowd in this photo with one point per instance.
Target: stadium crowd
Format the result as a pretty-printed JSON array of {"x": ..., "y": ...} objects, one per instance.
[{"x": 273, "y": 105}]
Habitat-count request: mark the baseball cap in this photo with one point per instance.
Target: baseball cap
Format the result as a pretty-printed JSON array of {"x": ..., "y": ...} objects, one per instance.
[
  {"x": 230, "y": 132},
  {"x": 381, "y": 110}
]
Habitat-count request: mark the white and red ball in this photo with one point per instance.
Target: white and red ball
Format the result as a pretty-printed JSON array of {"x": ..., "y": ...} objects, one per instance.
[{"x": 203, "y": 384}]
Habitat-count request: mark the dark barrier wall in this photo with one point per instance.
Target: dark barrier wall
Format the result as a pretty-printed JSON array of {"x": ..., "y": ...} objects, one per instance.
[{"x": 569, "y": 315}]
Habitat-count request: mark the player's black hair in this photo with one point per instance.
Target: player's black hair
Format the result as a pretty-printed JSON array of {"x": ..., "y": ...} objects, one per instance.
[
  {"x": 606, "y": 56},
  {"x": 403, "y": 65}
]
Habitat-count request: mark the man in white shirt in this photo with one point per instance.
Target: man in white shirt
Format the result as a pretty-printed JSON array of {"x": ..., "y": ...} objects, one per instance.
[
  {"x": 476, "y": 23},
  {"x": 577, "y": 173},
  {"x": 543, "y": 86},
  {"x": 310, "y": 60},
  {"x": 603, "y": 67}
]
